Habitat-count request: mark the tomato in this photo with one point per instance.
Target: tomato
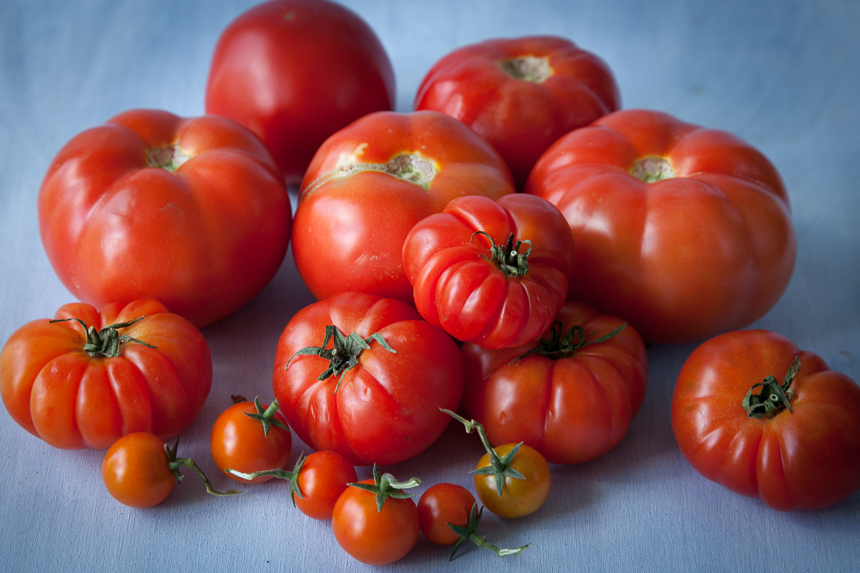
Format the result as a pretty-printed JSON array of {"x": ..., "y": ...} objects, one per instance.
[
  {"x": 296, "y": 71},
  {"x": 683, "y": 231},
  {"x": 190, "y": 212},
  {"x": 521, "y": 94},
  {"x": 374, "y": 524},
  {"x": 370, "y": 183},
  {"x": 571, "y": 397},
  {"x": 753, "y": 412},
  {"x": 93, "y": 377},
  {"x": 249, "y": 437},
  {"x": 377, "y": 399},
  {"x": 491, "y": 272},
  {"x": 440, "y": 505}
]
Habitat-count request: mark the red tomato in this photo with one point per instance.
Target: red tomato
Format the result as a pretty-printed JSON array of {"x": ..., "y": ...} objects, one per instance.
[
  {"x": 440, "y": 505},
  {"x": 685, "y": 232},
  {"x": 322, "y": 478},
  {"x": 797, "y": 448},
  {"x": 491, "y": 272},
  {"x": 138, "y": 368},
  {"x": 521, "y": 94},
  {"x": 250, "y": 443},
  {"x": 380, "y": 406},
  {"x": 570, "y": 403},
  {"x": 367, "y": 187},
  {"x": 191, "y": 212},
  {"x": 296, "y": 71},
  {"x": 136, "y": 470}
]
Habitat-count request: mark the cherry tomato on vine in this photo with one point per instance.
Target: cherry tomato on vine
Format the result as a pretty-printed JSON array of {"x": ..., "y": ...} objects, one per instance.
[{"x": 441, "y": 504}]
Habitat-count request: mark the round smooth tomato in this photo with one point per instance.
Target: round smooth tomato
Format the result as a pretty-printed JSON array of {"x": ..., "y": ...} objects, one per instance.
[
  {"x": 753, "y": 412},
  {"x": 323, "y": 477},
  {"x": 136, "y": 470},
  {"x": 371, "y": 535},
  {"x": 520, "y": 496},
  {"x": 569, "y": 395},
  {"x": 684, "y": 232},
  {"x": 296, "y": 71},
  {"x": 250, "y": 444},
  {"x": 370, "y": 183},
  {"x": 94, "y": 377},
  {"x": 521, "y": 94},
  {"x": 193, "y": 213},
  {"x": 341, "y": 389},
  {"x": 440, "y": 505},
  {"x": 491, "y": 272}
]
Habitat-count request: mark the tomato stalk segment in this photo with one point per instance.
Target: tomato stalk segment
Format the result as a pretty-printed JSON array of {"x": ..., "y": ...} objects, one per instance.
[
  {"x": 291, "y": 476},
  {"x": 385, "y": 486},
  {"x": 500, "y": 466},
  {"x": 469, "y": 532},
  {"x": 559, "y": 346},
  {"x": 267, "y": 417},
  {"x": 175, "y": 463},
  {"x": 508, "y": 259},
  {"x": 773, "y": 397},
  {"x": 107, "y": 341}
]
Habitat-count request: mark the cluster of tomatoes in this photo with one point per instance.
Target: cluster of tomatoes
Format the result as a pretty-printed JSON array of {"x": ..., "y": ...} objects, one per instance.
[{"x": 459, "y": 254}]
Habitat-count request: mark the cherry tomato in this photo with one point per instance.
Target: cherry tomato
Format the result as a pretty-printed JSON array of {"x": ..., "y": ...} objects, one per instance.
[
  {"x": 136, "y": 470},
  {"x": 520, "y": 497},
  {"x": 322, "y": 479},
  {"x": 441, "y": 504}
]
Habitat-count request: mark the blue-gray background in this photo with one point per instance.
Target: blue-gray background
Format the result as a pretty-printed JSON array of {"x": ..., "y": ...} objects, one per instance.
[{"x": 782, "y": 74}]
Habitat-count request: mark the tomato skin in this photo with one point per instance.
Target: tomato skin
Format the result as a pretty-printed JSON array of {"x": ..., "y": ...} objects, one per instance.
[
  {"x": 808, "y": 458},
  {"x": 322, "y": 480},
  {"x": 441, "y": 504},
  {"x": 56, "y": 391},
  {"x": 682, "y": 259},
  {"x": 238, "y": 442},
  {"x": 520, "y": 118},
  {"x": 346, "y": 198},
  {"x": 135, "y": 470},
  {"x": 458, "y": 288},
  {"x": 296, "y": 71},
  {"x": 370, "y": 536},
  {"x": 203, "y": 239},
  {"x": 520, "y": 497}
]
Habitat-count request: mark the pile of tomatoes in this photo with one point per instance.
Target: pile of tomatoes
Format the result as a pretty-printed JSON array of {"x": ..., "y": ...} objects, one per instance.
[{"x": 501, "y": 256}]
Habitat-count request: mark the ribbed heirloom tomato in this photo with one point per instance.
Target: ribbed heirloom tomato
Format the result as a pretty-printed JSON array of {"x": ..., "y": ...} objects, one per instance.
[{"x": 683, "y": 231}]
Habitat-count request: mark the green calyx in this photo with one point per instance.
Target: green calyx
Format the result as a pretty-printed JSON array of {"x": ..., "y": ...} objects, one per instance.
[
  {"x": 563, "y": 346},
  {"x": 344, "y": 353},
  {"x": 508, "y": 259},
  {"x": 175, "y": 463},
  {"x": 469, "y": 532},
  {"x": 384, "y": 486},
  {"x": 107, "y": 341},
  {"x": 291, "y": 476},
  {"x": 267, "y": 417},
  {"x": 773, "y": 396},
  {"x": 500, "y": 466}
]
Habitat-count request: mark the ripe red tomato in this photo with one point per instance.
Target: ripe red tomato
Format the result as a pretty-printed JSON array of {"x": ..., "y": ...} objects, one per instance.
[
  {"x": 252, "y": 443},
  {"x": 322, "y": 478},
  {"x": 491, "y": 272},
  {"x": 570, "y": 401},
  {"x": 753, "y": 412},
  {"x": 521, "y": 94},
  {"x": 137, "y": 368},
  {"x": 685, "y": 232},
  {"x": 372, "y": 404},
  {"x": 440, "y": 505},
  {"x": 296, "y": 71},
  {"x": 190, "y": 212},
  {"x": 367, "y": 187}
]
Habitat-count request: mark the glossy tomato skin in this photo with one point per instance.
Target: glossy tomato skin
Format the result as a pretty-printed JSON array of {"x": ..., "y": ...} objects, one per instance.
[
  {"x": 296, "y": 71},
  {"x": 56, "y": 391},
  {"x": 684, "y": 258},
  {"x": 458, "y": 287},
  {"x": 806, "y": 458},
  {"x": 370, "y": 536},
  {"x": 520, "y": 497},
  {"x": 353, "y": 215},
  {"x": 238, "y": 442},
  {"x": 322, "y": 479},
  {"x": 202, "y": 239},
  {"x": 386, "y": 409},
  {"x": 571, "y": 408},
  {"x": 520, "y": 116},
  {"x": 441, "y": 504},
  {"x": 135, "y": 470}
]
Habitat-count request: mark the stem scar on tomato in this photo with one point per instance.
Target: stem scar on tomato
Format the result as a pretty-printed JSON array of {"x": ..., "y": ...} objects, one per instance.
[
  {"x": 412, "y": 167},
  {"x": 169, "y": 158},
  {"x": 107, "y": 341},
  {"x": 773, "y": 397},
  {"x": 652, "y": 169},
  {"x": 528, "y": 68}
]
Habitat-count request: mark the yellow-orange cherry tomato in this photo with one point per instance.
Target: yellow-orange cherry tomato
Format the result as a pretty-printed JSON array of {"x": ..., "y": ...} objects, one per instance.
[{"x": 520, "y": 497}]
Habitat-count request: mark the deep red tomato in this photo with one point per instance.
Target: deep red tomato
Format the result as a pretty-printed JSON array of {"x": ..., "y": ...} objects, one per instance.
[
  {"x": 440, "y": 505},
  {"x": 571, "y": 397},
  {"x": 250, "y": 443},
  {"x": 491, "y": 272},
  {"x": 753, "y": 412},
  {"x": 521, "y": 94},
  {"x": 683, "y": 231},
  {"x": 296, "y": 71},
  {"x": 191, "y": 212},
  {"x": 137, "y": 368},
  {"x": 374, "y": 404},
  {"x": 367, "y": 187}
]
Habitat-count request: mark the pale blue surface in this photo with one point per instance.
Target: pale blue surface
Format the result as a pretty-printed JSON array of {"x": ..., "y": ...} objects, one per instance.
[{"x": 784, "y": 75}]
